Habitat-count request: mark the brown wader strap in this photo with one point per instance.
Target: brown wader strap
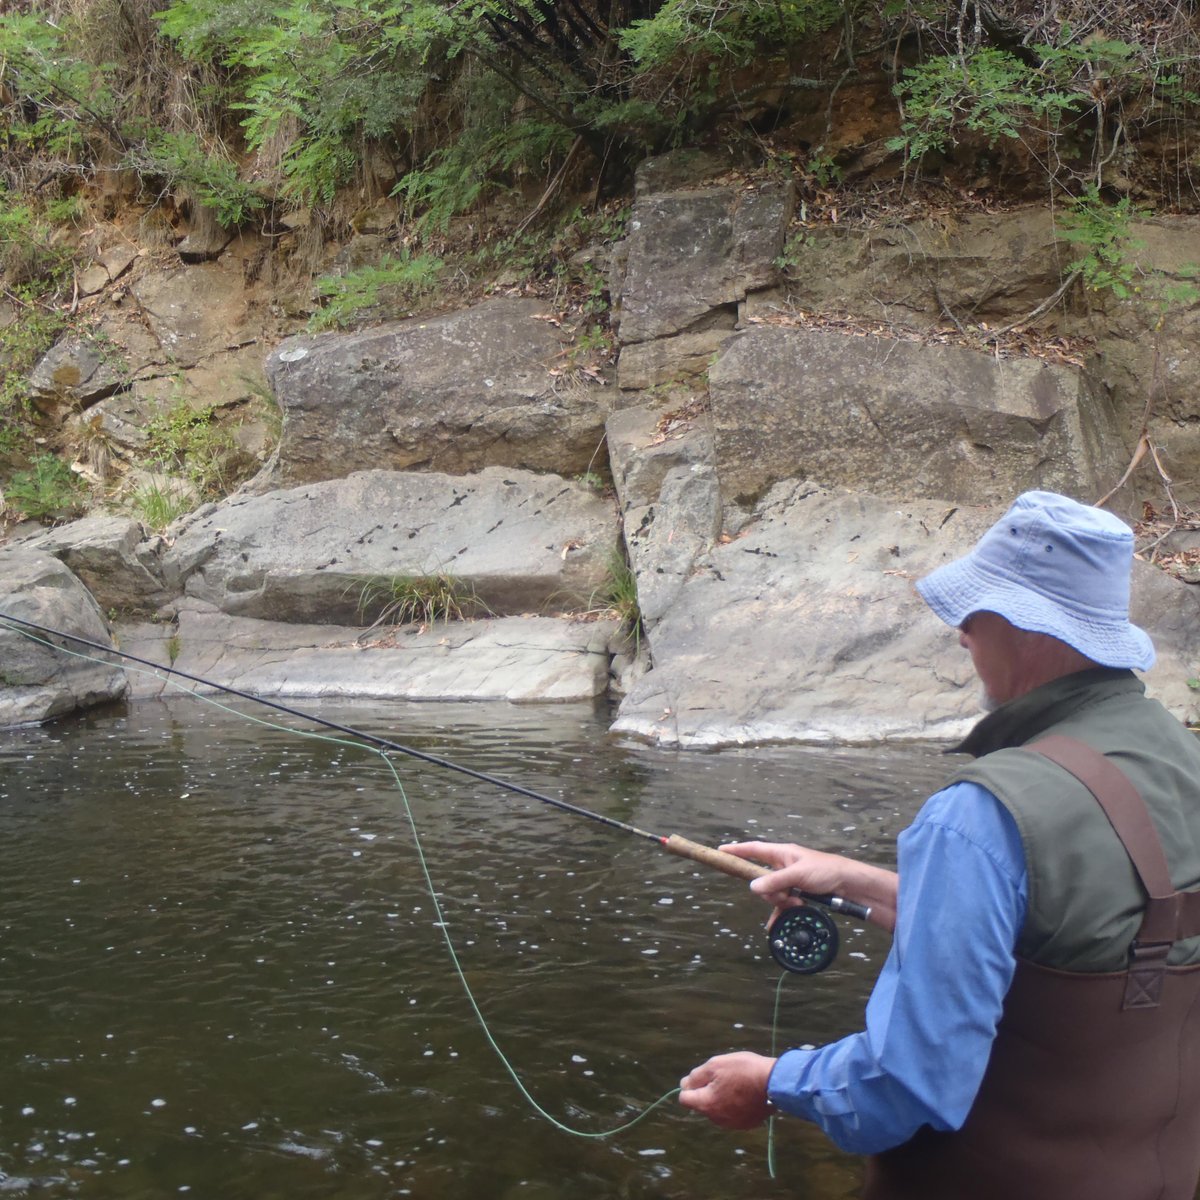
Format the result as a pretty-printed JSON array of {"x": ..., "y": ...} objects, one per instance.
[{"x": 1170, "y": 915}]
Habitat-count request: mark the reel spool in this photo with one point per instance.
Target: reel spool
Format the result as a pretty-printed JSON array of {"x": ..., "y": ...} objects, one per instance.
[{"x": 803, "y": 940}]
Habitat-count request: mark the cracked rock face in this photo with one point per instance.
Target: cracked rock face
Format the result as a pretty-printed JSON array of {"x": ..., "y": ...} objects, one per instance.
[
  {"x": 691, "y": 252},
  {"x": 516, "y": 659},
  {"x": 807, "y": 628},
  {"x": 903, "y": 418},
  {"x": 513, "y": 541},
  {"x": 113, "y": 557},
  {"x": 485, "y": 386}
]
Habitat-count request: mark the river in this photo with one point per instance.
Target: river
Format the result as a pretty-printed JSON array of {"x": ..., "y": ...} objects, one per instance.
[{"x": 223, "y": 974}]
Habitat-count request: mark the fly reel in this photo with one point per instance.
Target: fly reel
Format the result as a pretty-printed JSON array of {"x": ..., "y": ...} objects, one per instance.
[{"x": 803, "y": 940}]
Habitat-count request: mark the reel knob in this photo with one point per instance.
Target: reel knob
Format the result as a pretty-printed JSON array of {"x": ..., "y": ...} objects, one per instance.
[{"x": 803, "y": 940}]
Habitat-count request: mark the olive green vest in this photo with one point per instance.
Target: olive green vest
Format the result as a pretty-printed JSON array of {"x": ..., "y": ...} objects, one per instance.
[
  {"x": 1085, "y": 902},
  {"x": 1087, "y": 1096}
]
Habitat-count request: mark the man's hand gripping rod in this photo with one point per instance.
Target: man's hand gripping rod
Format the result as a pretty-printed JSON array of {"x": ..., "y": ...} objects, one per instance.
[{"x": 730, "y": 864}]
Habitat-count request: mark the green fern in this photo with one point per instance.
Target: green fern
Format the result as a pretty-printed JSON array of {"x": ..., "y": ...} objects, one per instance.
[{"x": 397, "y": 282}]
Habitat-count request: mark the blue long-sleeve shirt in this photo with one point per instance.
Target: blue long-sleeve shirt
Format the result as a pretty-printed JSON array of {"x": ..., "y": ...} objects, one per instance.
[{"x": 932, "y": 1015}]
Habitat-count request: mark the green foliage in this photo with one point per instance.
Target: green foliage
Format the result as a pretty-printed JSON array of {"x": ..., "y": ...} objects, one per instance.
[
  {"x": 1062, "y": 91},
  {"x": 619, "y": 595},
  {"x": 212, "y": 179},
  {"x": 158, "y": 505},
  {"x": 55, "y": 94},
  {"x": 416, "y": 599},
  {"x": 1106, "y": 249},
  {"x": 326, "y": 74},
  {"x": 396, "y": 282},
  {"x": 737, "y": 31},
  {"x": 180, "y": 437},
  {"x": 48, "y": 491},
  {"x": 29, "y": 253},
  {"x": 1101, "y": 234},
  {"x": 490, "y": 153},
  {"x": 22, "y": 344},
  {"x": 593, "y": 481},
  {"x": 991, "y": 93}
]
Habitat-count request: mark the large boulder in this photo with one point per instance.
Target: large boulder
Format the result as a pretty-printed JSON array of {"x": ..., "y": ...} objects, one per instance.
[
  {"x": 807, "y": 628},
  {"x": 693, "y": 251},
  {"x": 974, "y": 269},
  {"x": 485, "y": 386},
  {"x": 978, "y": 272},
  {"x": 904, "y": 418},
  {"x": 329, "y": 552},
  {"x": 519, "y": 659},
  {"x": 113, "y": 557},
  {"x": 38, "y": 681}
]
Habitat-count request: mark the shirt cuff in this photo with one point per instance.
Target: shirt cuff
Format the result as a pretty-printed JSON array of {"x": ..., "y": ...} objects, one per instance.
[{"x": 783, "y": 1084}]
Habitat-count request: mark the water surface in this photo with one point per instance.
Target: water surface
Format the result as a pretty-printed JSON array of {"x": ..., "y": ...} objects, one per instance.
[{"x": 222, "y": 972}]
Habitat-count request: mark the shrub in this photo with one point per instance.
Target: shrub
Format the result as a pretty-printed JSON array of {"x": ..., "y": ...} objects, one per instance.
[
  {"x": 397, "y": 282},
  {"x": 619, "y": 595},
  {"x": 48, "y": 491},
  {"x": 417, "y": 599},
  {"x": 189, "y": 439},
  {"x": 158, "y": 505}
]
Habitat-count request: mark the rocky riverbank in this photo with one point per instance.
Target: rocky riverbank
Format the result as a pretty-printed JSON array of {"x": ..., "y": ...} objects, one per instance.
[{"x": 777, "y": 481}]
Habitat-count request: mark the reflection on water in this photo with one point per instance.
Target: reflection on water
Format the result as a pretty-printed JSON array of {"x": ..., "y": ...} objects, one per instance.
[{"x": 222, "y": 973}]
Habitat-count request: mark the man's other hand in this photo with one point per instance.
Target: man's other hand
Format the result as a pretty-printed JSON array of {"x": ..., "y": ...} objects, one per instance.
[{"x": 730, "y": 1089}]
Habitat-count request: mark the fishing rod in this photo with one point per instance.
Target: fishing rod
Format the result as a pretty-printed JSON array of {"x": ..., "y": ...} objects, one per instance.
[{"x": 803, "y": 940}]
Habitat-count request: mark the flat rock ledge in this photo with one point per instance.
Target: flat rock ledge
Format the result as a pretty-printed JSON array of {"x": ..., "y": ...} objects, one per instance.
[
  {"x": 516, "y": 541},
  {"x": 523, "y": 660}
]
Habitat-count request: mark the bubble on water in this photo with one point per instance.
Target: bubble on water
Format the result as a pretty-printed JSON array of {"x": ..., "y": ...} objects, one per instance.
[{"x": 157, "y": 1103}]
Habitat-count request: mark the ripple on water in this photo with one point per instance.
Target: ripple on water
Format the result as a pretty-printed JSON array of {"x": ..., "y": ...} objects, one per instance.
[{"x": 221, "y": 959}]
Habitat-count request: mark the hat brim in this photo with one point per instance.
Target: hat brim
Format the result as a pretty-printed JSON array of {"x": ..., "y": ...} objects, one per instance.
[{"x": 961, "y": 588}]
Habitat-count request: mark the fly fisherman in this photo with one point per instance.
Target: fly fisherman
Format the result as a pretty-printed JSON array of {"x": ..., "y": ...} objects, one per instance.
[{"x": 1035, "y": 1030}]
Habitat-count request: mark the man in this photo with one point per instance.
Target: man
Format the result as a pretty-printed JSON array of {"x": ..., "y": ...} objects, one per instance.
[{"x": 1035, "y": 1031}]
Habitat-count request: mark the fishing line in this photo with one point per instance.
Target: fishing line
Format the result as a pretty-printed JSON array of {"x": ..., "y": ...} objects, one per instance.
[
  {"x": 422, "y": 861},
  {"x": 802, "y": 940}
]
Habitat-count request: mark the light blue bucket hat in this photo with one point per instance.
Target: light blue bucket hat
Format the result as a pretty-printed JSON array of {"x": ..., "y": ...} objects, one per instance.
[{"x": 1050, "y": 565}]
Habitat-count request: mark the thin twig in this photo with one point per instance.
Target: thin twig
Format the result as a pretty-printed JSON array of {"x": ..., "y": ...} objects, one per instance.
[
  {"x": 1043, "y": 308},
  {"x": 1138, "y": 454},
  {"x": 551, "y": 188}
]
